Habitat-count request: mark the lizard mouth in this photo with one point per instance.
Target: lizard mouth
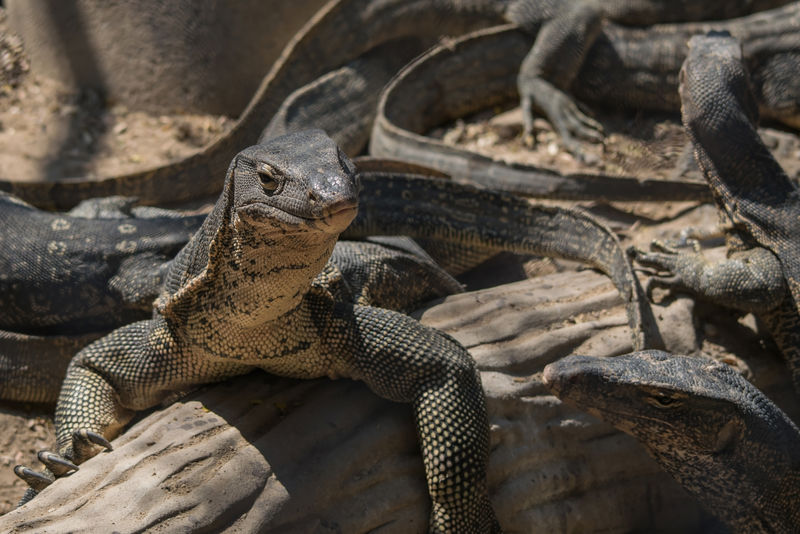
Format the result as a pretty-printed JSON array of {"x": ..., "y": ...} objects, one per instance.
[{"x": 332, "y": 219}]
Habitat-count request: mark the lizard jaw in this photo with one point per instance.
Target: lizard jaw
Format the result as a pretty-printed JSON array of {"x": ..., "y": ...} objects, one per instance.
[{"x": 332, "y": 221}]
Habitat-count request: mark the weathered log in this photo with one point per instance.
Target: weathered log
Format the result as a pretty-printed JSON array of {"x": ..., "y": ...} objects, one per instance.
[{"x": 264, "y": 454}]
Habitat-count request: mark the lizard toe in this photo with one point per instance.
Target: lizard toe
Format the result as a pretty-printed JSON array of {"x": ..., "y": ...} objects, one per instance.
[
  {"x": 657, "y": 261},
  {"x": 56, "y": 463},
  {"x": 660, "y": 246},
  {"x": 86, "y": 444},
  {"x": 668, "y": 283},
  {"x": 37, "y": 480}
]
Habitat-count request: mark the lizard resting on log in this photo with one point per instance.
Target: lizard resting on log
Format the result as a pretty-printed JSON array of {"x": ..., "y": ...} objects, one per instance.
[
  {"x": 713, "y": 431},
  {"x": 762, "y": 272},
  {"x": 254, "y": 289},
  {"x": 247, "y": 292},
  {"x": 395, "y": 199}
]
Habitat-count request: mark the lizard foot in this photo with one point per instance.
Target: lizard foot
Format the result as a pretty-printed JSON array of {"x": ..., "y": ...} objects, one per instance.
[
  {"x": 37, "y": 480},
  {"x": 84, "y": 445},
  {"x": 661, "y": 256},
  {"x": 569, "y": 121},
  {"x": 664, "y": 260}
]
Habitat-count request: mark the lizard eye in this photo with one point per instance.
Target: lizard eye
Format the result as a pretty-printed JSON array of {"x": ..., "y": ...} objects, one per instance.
[
  {"x": 269, "y": 179},
  {"x": 663, "y": 401}
]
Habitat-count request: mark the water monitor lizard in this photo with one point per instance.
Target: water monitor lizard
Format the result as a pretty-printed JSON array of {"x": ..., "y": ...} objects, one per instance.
[
  {"x": 713, "y": 431},
  {"x": 631, "y": 69},
  {"x": 340, "y": 32},
  {"x": 254, "y": 289},
  {"x": 57, "y": 301},
  {"x": 753, "y": 193}
]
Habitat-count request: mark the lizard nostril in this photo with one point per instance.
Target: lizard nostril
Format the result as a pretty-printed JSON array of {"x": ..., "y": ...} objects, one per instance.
[{"x": 312, "y": 196}]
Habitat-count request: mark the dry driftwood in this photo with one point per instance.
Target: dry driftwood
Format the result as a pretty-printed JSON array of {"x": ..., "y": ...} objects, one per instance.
[{"x": 263, "y": 454}]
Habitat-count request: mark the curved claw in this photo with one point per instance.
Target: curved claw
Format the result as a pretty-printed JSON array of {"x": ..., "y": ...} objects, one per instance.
[
  {"x": 659, "y": 246},
  {"x": 669, "y": 283},
  {"x": 85, "y": 443},
  {"x": 56, "y": 463},
  {"x": 580, "y": 124},
  {"x": 572, "y": 124},
  {"x": 35, "y": 479},
  {"x": 568, "y": 120}
]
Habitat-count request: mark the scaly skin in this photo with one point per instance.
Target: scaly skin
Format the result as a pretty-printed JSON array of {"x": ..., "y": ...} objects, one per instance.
[
  {"x": 63, "y": 274},
  {"x": 67, "y": 280},
  {"x": 762, "y": 273},
  {"x": 712, "y": 430}
]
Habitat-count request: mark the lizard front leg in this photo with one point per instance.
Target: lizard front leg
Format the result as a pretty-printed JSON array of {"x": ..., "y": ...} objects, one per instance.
[
  {"x": 404, "y": 361},
  {"x": 750, "y": 280},
  {"x": 133, "y": 368},
  {"x": 552, "y": 64}
]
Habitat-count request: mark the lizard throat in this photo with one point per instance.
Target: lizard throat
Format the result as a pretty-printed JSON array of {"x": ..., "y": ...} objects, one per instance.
[{"x": 266, "y": 277}]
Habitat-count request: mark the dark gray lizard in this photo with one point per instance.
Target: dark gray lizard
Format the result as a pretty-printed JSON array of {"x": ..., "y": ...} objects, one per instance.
[
  {"x": 629, "y": 68},
  {"x": 762, "y": 272},
  {"x": 321, "y": 47},
  {"x": 63, "y": 274},
  {"x": 712, "y": 430},
  {"x": 67, "y": 280},
  {"x": 567, "y": 32}
]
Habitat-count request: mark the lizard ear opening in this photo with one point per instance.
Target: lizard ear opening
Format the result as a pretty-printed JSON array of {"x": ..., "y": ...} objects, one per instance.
[{"x": 727, "y": 436}]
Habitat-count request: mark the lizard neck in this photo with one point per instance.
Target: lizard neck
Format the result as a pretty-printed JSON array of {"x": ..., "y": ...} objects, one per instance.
[{"x": 251, "y": 279}]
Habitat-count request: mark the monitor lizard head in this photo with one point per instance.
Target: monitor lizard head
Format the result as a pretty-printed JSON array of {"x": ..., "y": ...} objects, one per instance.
[
  {"x": 270, "y": 233},
  {"x": 653, "y": 396},
  {"x": 298, "y": 183},
  {"x": 713, "y": 431}
]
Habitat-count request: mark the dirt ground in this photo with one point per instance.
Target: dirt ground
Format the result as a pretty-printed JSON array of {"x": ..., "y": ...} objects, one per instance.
[{"x": 47, "y": 133}]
